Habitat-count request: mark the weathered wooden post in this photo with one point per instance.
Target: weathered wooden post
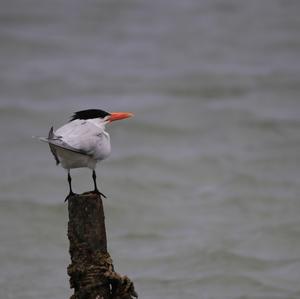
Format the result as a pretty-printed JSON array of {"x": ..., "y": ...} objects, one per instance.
[{"x": 91, "y": 271}]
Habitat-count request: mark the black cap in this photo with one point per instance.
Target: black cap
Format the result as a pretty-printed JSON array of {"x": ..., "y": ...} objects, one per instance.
[{"x": 89, "y": 114}]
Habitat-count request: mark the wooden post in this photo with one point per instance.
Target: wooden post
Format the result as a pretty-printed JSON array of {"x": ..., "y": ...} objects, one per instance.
[{"x": 91, "y": 271}]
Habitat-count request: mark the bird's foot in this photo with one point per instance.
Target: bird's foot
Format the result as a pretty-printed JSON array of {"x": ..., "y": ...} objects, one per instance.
[
  {"x": 97, "y": 192},
  {"x": 71, "y": 194}
]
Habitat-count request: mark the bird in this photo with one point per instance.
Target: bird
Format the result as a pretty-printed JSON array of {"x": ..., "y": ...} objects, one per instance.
[{"x": 83, "y": 142}]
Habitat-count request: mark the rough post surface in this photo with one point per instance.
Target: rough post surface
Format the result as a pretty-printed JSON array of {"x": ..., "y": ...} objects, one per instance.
[{"x": 91, "y": 271}]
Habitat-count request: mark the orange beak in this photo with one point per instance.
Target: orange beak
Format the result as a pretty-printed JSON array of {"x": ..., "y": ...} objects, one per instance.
[{"x": 119, "y": 115}]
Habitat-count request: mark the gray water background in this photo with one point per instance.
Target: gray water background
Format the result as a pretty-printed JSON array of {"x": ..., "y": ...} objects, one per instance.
[{"x": 203, "y": 183}]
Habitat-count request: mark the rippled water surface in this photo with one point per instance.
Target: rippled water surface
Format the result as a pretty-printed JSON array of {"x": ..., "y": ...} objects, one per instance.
[{"x": 203, "y": 183}]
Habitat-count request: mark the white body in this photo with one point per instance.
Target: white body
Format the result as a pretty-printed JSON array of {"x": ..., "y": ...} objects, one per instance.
[{"x": 88, "y": 137}]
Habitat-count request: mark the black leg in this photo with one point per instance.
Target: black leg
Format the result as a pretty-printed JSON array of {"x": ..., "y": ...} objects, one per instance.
[
  {"x": 71, "y": 193},
  {"x": 95, "y": 185}
]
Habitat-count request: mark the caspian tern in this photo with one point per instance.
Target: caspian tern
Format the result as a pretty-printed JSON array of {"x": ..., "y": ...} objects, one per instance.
[{"x": 83, "y": 141}]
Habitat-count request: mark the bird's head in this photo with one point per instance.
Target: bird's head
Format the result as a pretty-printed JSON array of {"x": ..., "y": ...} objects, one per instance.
[{"x": 101, "y": 117}]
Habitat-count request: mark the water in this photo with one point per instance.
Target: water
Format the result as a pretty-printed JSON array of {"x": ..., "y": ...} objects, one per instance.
[{"x": 203, "y": 183}]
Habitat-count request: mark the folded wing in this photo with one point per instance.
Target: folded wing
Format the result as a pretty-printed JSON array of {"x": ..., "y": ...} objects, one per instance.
[{"x": 57, "y": 142}]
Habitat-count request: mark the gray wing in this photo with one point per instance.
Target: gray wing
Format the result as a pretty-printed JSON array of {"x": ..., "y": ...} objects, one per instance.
[{"x": 56, "y": 141}]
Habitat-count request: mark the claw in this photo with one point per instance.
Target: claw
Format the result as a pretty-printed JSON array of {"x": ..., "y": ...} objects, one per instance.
[
  {"x": 98, "y": 193},
  {"x": 71, "y": 194}
]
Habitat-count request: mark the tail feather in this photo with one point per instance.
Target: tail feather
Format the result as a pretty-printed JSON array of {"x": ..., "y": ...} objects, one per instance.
[{"x": 52, "y": 147}]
